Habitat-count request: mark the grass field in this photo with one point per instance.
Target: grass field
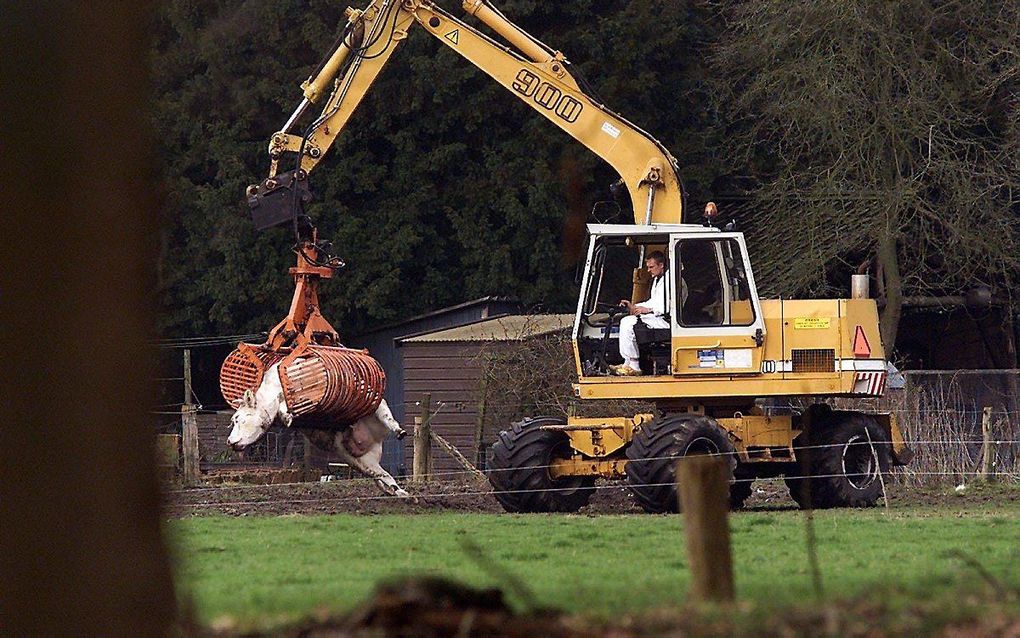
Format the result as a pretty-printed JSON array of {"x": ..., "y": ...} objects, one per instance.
[{"x": 261, "y": 571}]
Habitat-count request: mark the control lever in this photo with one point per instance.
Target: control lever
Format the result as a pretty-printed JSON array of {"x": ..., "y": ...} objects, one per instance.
[{"x": 614, "y": 312}]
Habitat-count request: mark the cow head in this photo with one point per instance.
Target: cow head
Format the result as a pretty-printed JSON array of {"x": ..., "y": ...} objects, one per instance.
[{"x": 249, "y": 423}]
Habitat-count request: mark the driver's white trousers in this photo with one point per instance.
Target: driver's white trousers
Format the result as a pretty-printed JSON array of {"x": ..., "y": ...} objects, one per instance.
[{"x": 628, "y": 342}]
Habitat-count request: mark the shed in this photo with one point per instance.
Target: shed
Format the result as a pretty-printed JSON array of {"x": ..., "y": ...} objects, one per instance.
[
  {"x": 448, "y": 365},
  {"x": 382, "y": 345}
]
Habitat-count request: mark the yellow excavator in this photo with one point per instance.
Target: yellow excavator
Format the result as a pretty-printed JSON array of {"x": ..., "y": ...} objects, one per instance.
[{"x": 721, "y": 366}]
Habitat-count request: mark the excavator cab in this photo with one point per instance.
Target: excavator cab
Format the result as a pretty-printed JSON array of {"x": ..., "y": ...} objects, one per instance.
[{"x": 712, "y": 307}]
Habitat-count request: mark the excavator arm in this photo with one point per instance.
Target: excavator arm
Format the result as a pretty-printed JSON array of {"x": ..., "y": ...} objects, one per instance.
[
  {"x": 535, "y": 74},
  {"x": 371, "y": 37}
]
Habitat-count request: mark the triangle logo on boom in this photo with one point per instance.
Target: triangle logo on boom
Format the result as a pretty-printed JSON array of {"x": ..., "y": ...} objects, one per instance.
[{"x": 453, "y": 36}]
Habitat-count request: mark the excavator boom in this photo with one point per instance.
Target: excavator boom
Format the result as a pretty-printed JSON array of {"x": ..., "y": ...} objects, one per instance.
[{"x": 538, "y": 76}]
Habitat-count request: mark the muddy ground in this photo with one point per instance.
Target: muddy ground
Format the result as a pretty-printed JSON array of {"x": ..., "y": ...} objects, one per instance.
[{"x": 360, "y": 496}]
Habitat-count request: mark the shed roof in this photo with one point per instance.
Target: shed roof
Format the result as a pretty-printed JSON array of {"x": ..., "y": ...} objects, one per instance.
[
  {"x": 503, "y": 328},
  {"x": 481, "y": 301}
]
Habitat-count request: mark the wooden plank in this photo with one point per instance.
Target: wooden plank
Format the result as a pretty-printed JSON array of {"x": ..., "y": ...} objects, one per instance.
[
  {"x": 472, "y": 354},
  {"x": 447, "y": 396},
  {"x": 435, "y": 359},
  {"x": 189, "y": 428},
  {"x": 466, "y": 387},
  {"x": 465, "y": 372},
  {"x": 455, "y": 454},
  {"x": 453, "y": 419},
  {"x": 461, "y": 442},
  {"x": 444, "y": 346},
  {"x": 447, "y": 424},
  {"x": 189, "y": 444},
  {"x": 704, "y": 494},
  {"x": 454, "y": 368}
]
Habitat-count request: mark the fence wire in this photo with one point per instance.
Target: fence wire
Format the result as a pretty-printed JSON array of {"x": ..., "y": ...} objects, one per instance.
[
  {"x": 494, "y": 492},
  {"x": 799, "y": 448},
  {"x": 940, "y": 415},
  {"x": 356, "y": 499}
]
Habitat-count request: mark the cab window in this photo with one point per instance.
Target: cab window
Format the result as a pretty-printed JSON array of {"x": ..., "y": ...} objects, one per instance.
[{"x": 713, "y": 284}]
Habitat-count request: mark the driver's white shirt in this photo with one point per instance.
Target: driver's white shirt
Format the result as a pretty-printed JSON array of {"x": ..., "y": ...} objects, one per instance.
[
  {"x": 658, "y": 303},
  {"x": 658, "y": 298}
]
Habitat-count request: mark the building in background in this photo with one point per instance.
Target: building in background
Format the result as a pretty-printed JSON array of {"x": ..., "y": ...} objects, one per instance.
[
  {"x": 382, "y": 344},
  {"x": 449, "y": 366}
]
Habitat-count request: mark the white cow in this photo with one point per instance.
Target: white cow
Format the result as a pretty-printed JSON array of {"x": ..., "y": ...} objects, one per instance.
[{"x": 359, "y": 445}]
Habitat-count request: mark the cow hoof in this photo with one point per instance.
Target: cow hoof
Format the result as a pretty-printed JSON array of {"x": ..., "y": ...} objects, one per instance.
[{"x": 401, "y": 434}]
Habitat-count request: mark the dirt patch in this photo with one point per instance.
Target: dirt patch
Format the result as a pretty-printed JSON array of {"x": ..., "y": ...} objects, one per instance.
[
  {"x": 361, "y": 496},
  {"x": 440, "y": 607},
  {"x": 354, "y": 496}
]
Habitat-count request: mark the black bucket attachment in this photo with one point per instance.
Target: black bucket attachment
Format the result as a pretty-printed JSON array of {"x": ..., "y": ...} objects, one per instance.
[{"x": 279, "y": 199}]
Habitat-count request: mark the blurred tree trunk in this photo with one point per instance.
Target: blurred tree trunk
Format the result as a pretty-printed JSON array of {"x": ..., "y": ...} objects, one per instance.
[{"x": 81, "y": 550}]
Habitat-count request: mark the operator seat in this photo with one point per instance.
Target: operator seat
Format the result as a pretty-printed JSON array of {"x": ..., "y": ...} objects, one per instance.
[{"x": 654, "y": 346}]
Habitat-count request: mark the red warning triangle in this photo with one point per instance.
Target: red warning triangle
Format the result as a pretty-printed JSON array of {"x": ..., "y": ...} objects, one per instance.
[{"x": 861, "y": 346}]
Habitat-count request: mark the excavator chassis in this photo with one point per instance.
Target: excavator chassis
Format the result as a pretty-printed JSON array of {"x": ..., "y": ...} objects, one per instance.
[
  {"x": 598, "y": 444},
  {"x": 829, "y": 458}
]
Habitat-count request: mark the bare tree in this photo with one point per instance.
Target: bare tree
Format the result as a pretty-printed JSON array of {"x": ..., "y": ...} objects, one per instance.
[
  {"x": 527, "y": 374},
  {"x": 879, "y": 132}
]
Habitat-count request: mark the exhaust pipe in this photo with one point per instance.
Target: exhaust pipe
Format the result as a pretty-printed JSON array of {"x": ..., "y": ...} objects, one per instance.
[{"x": 859, "y": 287}]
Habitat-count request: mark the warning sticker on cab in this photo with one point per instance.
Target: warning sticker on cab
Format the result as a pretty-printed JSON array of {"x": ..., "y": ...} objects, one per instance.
[{"x": 811, "y": 323}]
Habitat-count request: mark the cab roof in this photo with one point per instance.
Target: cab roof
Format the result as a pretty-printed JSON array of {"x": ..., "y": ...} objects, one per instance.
[{"x": 650, "y": 229}]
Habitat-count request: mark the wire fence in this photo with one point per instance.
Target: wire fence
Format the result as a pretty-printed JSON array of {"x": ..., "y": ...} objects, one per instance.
[
  {"x": 948, "y": 410},
  {"x": 425, "y": 491},
  {"x": 941, "y": 413},
  {"x": 435, "y": 494}
]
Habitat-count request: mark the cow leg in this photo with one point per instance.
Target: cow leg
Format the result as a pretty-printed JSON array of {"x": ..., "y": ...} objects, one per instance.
[
  {"x": 368, "y": 464},
  {"x": 363, "y": 442},
  {"x": 385, "y": 417}
]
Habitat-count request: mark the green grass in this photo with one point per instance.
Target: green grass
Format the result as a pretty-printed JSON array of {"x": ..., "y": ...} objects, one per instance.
[{"x": 262, "y": 571}]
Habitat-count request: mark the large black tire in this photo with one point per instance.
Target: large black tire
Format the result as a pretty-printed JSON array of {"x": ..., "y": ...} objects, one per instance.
[
  {"x": 519, "y": 469},
  {"x": 652, "y": 455},
  {"x": 843, "y": 470}
]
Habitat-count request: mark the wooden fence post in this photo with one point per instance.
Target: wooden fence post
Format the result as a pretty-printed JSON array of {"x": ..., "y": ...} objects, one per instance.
[
  {"x": 189, "y": 427},
  {"x": 987, "y": 445},
  {"x": 422, "y": 465},
  {"x": 703, "y": 483}
]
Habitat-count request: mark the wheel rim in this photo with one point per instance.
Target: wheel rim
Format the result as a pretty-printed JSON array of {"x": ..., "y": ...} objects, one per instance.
[
  {"x": 701, "y": 445},
  {"x": 858, "y": 463}
]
